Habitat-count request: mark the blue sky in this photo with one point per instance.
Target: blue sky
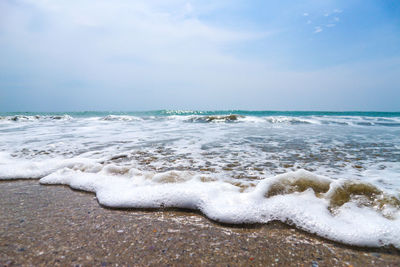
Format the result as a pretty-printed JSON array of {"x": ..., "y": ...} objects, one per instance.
[{"x": 64, "y": 55}]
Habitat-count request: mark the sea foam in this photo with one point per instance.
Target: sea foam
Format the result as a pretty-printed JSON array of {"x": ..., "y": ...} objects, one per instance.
[
  {"x": 353, "y": 221},
  {"x": 330, "y": 174}
]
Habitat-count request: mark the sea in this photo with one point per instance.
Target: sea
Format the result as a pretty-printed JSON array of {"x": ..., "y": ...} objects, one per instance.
[{"x": 333, "y": 174}]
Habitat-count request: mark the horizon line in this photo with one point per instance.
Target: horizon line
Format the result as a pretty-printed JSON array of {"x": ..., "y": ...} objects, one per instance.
[{"x": 204, "y": 110}]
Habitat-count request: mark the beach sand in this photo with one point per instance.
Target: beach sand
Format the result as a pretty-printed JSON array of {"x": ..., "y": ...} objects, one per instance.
[{"x": 54, "y": 225}]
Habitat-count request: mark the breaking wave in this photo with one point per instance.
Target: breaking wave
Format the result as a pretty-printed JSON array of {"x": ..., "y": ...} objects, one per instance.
[
  {"x": 23, "y": 118},
  {"x": 218, "y": 117}
]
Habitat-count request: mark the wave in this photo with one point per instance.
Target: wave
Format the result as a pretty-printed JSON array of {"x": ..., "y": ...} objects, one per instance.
[
  {"x": 354, "y": 119},
  {"x": 120, "y": 118},
  {"x": 337, "y": 194},
  {"x": 221, "y": 118},
  {"x": 346, "y": 211},
  {"x": 267, "y": 113},
  {"x": 25, "y": 118}
]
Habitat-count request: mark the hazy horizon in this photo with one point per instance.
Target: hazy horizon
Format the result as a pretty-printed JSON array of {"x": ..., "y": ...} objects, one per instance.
[{"x": 224, "y": 111}]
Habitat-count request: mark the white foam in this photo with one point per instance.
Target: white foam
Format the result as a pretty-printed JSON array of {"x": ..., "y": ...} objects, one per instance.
[
  {"x": 121, "y": 118},
  {"x": 27, "y": 118},
  {"x": 126, "y": 187},
  {"x": 11, "y": 169},
  {"x": 223, "y": 202},
  {"x": 228, "y": 166}
]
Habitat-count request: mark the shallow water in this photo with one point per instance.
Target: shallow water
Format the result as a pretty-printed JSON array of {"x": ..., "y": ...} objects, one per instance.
[{"x": 331, "y": 173}]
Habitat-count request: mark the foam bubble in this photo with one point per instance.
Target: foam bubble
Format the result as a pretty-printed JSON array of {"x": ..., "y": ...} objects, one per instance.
[
  {"x": 226, "y": 167},
  {"x": 120, "y": 118},
  {"x": 305, "y": 203}
]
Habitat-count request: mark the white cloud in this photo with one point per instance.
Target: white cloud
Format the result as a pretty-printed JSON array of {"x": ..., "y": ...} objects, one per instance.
[
  {"x": 305, "y": 14},
  {"x": 318, "y": 29},
  {"x": 330, "y": 25},
  {"x": 157, "y": 54},
  {"x": 107, "y": 33},
  {"x": 188, "y": 8},
  {"x": 139, "y": 46}
]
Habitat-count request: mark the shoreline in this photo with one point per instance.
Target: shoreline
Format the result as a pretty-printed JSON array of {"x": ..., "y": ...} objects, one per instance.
[{"x": 54, "y": 225}]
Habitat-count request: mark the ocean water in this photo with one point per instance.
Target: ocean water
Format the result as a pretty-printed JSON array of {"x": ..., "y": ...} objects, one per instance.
[{"x": 335, "y": 174}]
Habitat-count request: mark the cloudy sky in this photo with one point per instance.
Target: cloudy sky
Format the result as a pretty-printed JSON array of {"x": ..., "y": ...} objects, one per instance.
[{"x": 67, "y": 55}]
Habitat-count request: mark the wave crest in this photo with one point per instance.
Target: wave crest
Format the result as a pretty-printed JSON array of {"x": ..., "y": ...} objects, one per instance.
[
  {"x": 22, "y": 118},
  {"x": 337, "y": 193}
]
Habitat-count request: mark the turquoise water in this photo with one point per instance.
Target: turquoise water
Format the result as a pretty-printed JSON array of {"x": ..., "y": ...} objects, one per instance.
[{"x": 209, "y": 113}]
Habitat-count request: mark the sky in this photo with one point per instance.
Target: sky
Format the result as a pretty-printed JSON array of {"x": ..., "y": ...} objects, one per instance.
[{"x": 122, "y": 55}]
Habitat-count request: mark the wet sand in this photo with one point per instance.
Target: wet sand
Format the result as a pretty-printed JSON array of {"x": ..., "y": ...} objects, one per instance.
[{"x": 54, "y": 225}]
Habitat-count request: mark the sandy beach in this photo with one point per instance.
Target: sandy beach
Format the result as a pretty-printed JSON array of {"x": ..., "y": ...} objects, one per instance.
[{"x": 54, "y": 225}]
